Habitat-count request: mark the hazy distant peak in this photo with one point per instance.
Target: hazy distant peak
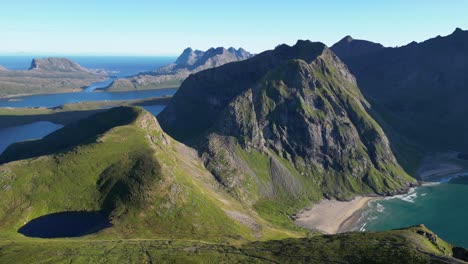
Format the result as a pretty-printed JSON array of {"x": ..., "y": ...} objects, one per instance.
[
  {"x": 190, "y": 57},
  {"x": 56, "y": 64}
]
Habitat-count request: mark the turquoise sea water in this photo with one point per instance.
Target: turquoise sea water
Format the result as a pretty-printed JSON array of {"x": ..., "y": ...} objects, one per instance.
[{"x": 442, "y": 207}]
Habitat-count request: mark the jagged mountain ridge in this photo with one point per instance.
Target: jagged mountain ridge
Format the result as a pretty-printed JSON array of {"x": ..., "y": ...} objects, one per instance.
[
  {"x": 288, "y": 126},
  {"x": 349, "y": 47},
  {"x": 420, "y": 88},
  {"x": 189, "y": 62}
]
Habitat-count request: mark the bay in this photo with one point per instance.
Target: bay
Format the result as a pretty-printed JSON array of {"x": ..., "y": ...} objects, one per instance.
[{"x": 442, "y": 207}]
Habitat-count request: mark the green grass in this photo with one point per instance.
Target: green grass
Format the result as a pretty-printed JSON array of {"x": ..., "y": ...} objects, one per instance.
[
  {"x": 67, "y": 113},
  {"x": 121, "y": 162},
  {"x": 399, "y": 246}
]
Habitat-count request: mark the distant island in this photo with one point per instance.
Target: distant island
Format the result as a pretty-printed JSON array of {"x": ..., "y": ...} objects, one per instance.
[
  {"x": 172, "y": 75},
  {"x": 48, "y": 75}
]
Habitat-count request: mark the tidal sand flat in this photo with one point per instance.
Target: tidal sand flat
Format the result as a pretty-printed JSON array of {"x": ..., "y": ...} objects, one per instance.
[{"x": 329, "y": 215}]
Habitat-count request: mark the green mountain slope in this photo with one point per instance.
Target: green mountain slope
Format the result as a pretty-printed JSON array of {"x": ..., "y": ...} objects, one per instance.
[
  {"x": 164, "y": 206},
  {"x": 411, "y": 245},
  {"x": 120, "y": 162},
  {"x": 284, "y": 128}
]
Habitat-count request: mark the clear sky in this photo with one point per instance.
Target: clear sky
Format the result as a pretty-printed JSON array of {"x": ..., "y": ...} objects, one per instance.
[{"x": 155, "y": 27}]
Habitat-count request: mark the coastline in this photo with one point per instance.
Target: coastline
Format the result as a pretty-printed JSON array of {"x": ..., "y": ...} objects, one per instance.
[
  {"x": 331, "y": 216},
  {"x": 16, "y": 96}
]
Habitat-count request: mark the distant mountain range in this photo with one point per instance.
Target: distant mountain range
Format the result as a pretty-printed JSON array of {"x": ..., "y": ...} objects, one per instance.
[
  {"x": 189, "y": 62},
  {"x": 48, "y": 75},
  {"x": 419, "y": 90}
]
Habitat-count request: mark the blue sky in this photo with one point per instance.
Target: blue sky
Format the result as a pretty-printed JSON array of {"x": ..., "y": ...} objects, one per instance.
[{"x": 141, "y": 27}]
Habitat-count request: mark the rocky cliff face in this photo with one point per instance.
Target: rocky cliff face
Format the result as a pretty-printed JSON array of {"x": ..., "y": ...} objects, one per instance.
[
  {"x": 189, "y": 62},
  {"x": 420, "y": 88},
  {"x": 288, "y": 123}
]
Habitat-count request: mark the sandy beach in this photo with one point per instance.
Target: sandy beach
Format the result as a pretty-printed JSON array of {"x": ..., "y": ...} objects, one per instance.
[{"x": 328, "y": 216}]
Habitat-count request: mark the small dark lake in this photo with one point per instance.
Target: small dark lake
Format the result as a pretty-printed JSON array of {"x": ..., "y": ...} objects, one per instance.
[{"x": 65, "y": 224}]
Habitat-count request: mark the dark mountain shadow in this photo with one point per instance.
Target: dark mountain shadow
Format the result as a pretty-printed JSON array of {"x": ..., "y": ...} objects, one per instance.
[
  {"x": 81, "y": 132},
  {"x": 64, "y": 118}
]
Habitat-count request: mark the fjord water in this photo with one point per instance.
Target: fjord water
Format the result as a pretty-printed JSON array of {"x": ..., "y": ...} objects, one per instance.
[
  {"x": 53, "y": 100},
  {"x": 442, "y": 207},
  {"x": 34, "y": 130}
]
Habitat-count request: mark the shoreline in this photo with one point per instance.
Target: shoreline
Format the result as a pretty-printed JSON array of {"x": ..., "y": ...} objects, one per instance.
[
  {"x": 329, "y": 216},
  {"x": 333, "y": 217}
]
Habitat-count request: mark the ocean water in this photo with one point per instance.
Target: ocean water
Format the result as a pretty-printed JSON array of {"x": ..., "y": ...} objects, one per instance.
[
  {"x": 122, "y": 65},
  {"x": 442, "y": 207}
]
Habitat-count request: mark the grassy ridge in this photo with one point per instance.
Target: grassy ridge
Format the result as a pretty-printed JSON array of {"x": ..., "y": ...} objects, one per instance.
[
  {"x": 165, "y": 207},
  {"x": 67, "y": 113},
  {"x": 400, "y": 246},
  {"x": 149, "y": 185}
]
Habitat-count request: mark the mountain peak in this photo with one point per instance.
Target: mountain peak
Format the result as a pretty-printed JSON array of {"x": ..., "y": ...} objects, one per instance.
[
  {"x": 275, "y": 102},
  {"x": 56, "y": 64},
  {"x": 347, "y": 39},
  {"x": 458, "y": 30},
  {"x": 350, "y": 47}
]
